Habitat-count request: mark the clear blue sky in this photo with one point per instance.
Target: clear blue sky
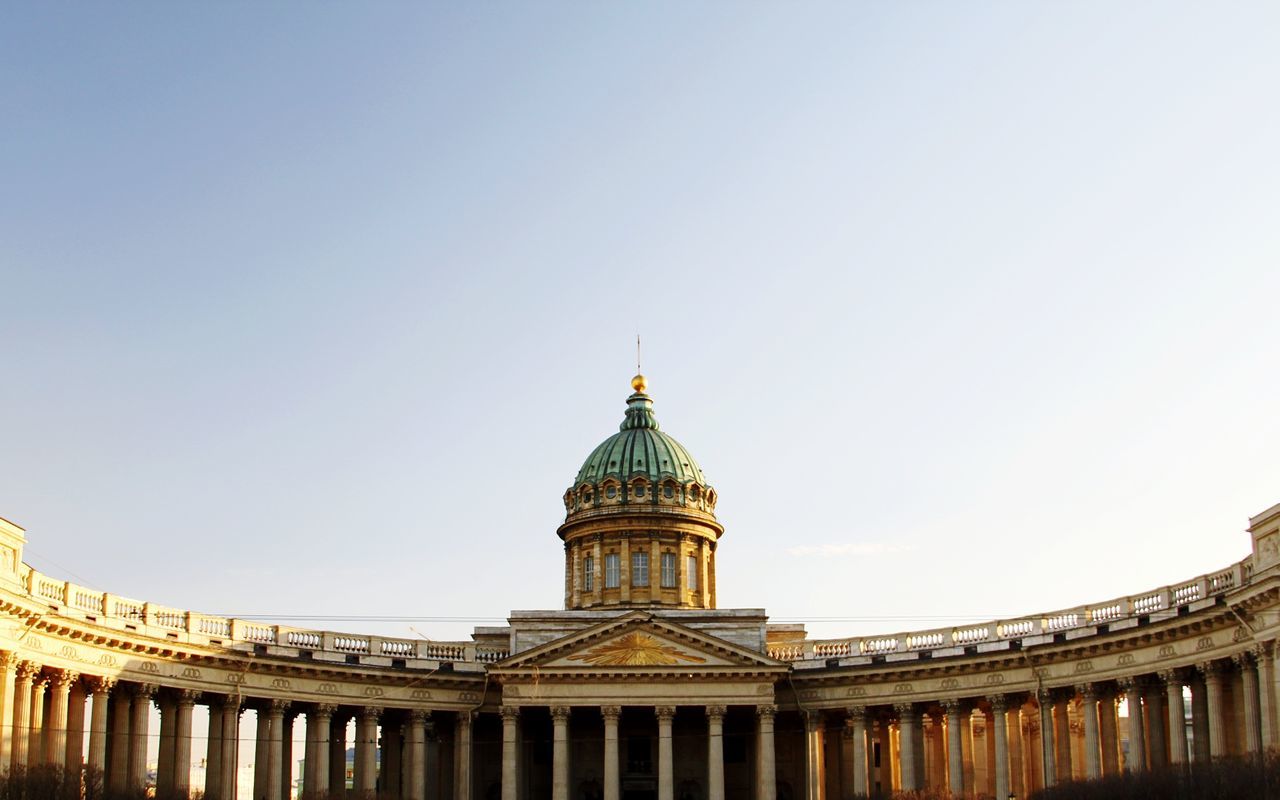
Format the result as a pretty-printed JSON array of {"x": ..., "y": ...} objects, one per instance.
[{"x": 967, "y": 309}]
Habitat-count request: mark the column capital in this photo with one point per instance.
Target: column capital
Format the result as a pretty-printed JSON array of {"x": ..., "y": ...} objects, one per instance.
[
  {"x": 1170, "y": 678},
  {"x": 1264, "y": 651},
  {"x": 1243, "y": 660},
  {"x": 952, "y": 705},
  {"x": 278, "y": 707},
  {"x": 511, "y": 713},
  {"x": 1130, "y": 685},
  {"x": 27, "y": 670},
  {"x": 665, "y": 713},
  {"x": 145, "y": 691},
  {"x": 63, "y": 678},
  {"x": 99, "y": 684},
  {"x": 1210, "y": 670},
  {"x": 716, "y": 712},
  {"x": 420, "y": 716},
  {"x": 8, "y": 659},
  {"x": 999, "y": 703},
  {"x": 904, "y": 709},
  {"x": 812, "y": 719},
  {"x": 611, "y": 713},
  {"x": 767, "y": 711},
  {"x": 856, "y": 714},
  {"x": 559, "y": 713},
  {"x": 1087, "y": 691},
  {"x": 322, "y": 710},
  {"x": 187, "y": 697},
  {"x": 369, "y": 713}
]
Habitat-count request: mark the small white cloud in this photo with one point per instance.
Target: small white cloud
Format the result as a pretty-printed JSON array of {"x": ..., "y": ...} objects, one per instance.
[{"x": 850, "y": 549}]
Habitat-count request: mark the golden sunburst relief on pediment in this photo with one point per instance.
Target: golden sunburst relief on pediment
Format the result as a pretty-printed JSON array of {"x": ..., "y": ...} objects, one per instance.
[{"x": 636, "y": 650}]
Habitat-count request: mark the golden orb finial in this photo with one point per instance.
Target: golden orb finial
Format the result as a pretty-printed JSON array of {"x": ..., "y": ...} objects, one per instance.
[{"x": 639, "y": 383}]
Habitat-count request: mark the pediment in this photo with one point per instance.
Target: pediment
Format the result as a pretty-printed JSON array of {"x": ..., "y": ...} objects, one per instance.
[{"x": 638, "y": 642}]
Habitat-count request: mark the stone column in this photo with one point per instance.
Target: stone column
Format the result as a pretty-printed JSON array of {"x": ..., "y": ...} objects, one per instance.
[
  {"x": 366, "y": 766},
  {"x": 316, "y": 780},
  {"x": 856, "y": 727},
  {"x": 416, "y": 786},
  {"x": 1212, "y": 673},
  {"x": 1264, "y": 654},
  {"x": 766, "y": 780},
  {"x": 510, "y": 721},
  {"x": 261, "y": 755},
  {"x": 164, "y": 761},
  {"x": 968, "y": 774},
  {"x": 24, "y": 673},
  {"x": 666, "y": 758},
  {"x": 998, "y": 708},
  {"x": 1062, "y": 735},
  {"x": 624, "y": 566},
  {"x": 1047, "y": 760},
  {"x": 612, "y": 787},
  {"x": 1014, "y": 732},
  {"x": 813, "y": 755},
  {"x": 213, "y": 755},
  {"x": 140, "y": 713},
  {"x": 8, "y": 677},
  {"x": 955, "y": 749},
  {"x": 1177, "y": 717},
  {"x": 1199, "y": 719},
  {"x": 186, "y": 701},
  {"x": 1135, "y": 759},
  {"x": 907, "y": 723},
  {"x": 286, "y": 754},
  {"x": 1092, "y": 751},
  {"x": 35, "y": 743},
  {"x": 75, "y": 727},
  {"x": 275, "y": 751},
  {"x": 338, "y": 754},
  {"x": 230, "y": 781},
  {"x": 1107, "y": 733},
  {"x": 715, "y": 752},
  {"x": 387, "y": 761},
  {"x": 462, "y": 755},
  {"x": 118, "y": 770},
  {"x": 560, "y": 753},
  {"x": 1252, "y": 709},
  {"x": 59, "y": 704},
  {"x": 1155, "y": 716}
]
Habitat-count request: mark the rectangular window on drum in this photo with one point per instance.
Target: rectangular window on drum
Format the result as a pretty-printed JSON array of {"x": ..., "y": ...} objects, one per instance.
[
  {"x": 691, "y": 564},
  {"x": 668, "y": 570},
  {"x": 611, "y": 571},
  {"x": 639, "y": 569},
  {"x": 588, "y": 574}
]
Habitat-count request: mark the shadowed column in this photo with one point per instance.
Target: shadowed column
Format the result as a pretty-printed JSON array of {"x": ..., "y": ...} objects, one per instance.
[{"x": 766, "y": 781}]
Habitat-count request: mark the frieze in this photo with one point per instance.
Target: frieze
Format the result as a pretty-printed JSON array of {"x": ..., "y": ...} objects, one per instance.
[
  {"x": 33, "y": 643},
  {"x": 373, "y": 691},
  {"x": 903, "y": 688},
  {"x": 468, "y": 697},
  {"x": 1168, "y": 651},
  {"x": 856, "y": 691},
  {"x": 149, "y": 666},
  {"x": 107, "y": 660},
  {"x": 809, "y": 694},
  {"x": 326, "y": 688},
  {"x": 281, "y": 683},
  {"x": 1204, "y": 643},
  {"x": 1241, "y": 633},
  {"x": 236, "y": 678},
  {"x": 995, "y": 679},
  {"x": 1124, "y": 659},
  {"x": 425, "y": 694},
  {"x": 1084, "y": 666},
  {"x": 949, "y": 683},
  {"x": 192, "y": 673},
  {"x": 70, "y": 652}
]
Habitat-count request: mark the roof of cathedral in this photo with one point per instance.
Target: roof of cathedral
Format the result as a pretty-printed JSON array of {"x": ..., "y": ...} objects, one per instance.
[{"x": 640, "y": 449}]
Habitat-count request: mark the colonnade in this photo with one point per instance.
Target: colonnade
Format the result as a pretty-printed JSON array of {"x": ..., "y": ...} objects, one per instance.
[{"x": 1016, "y": 743}]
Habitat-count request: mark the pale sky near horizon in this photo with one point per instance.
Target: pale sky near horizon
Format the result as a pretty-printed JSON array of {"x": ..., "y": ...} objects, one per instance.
[{"x": 315, "y": 310}]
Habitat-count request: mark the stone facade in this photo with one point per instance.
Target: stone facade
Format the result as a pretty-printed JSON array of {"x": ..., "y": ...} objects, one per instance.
[{"x": 643, "y": 697}]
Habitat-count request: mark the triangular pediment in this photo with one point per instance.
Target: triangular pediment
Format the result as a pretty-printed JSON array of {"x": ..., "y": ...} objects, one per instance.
[{"x": 638, "y": 641}]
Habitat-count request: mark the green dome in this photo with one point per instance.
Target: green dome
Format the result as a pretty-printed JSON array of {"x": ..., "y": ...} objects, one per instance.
[
  {"x": 638, "y": 449},
  {"x": 639, "y": 466}
]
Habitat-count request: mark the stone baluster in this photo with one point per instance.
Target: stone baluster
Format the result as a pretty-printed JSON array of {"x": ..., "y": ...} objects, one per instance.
[
  {"x": 185, "y": 703},
  {"x": 1212, "y": 673},
  {"x": 59, "y": 705},
  {"x": 1177, "y": 717},
  {"x": 1252, "y": 711},
  {"x": 1047, "y": 755},
  {"x": 560, "y": 753},
  {"x": 462, "y": 755},
  {"x": 666, "y": 758},
  {"x": 612, "y": 787},
  {"x": 766, "y": 784},
  {"x": 715, "y": 752},
  {"x": 999, "y": 705},
  {"x": 1135, "y": 759},
  {"x": 140, "y": 719},
  {"x": 510, "y": 778}
]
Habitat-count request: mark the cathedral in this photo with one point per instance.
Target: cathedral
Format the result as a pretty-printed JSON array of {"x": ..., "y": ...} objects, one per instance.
[{"x": 640, "y": 688}]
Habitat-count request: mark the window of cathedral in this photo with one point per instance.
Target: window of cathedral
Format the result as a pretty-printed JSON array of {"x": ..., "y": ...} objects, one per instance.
[
  {"x": 588, "y": 574},
  {"x": 612, "y": 572},
  {"x": 691, "y": 564},
  {"x": 668, "y": 570},
  {"x": 639, "y": 569}
]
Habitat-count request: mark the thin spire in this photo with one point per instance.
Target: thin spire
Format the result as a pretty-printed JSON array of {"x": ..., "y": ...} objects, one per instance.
[{"x": 637, "y": 353}]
